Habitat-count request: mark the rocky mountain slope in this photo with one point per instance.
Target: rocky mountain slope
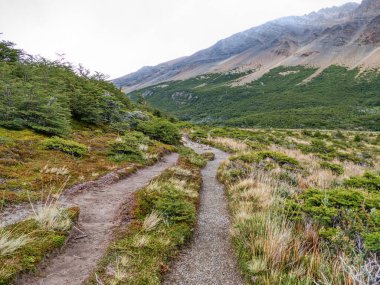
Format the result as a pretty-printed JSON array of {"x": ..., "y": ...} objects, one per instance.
[{"x": 348, "y": 36}]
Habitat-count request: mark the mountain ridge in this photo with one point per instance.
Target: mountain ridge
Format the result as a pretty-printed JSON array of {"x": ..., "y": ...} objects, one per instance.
[{"x": 346, "y": 35}]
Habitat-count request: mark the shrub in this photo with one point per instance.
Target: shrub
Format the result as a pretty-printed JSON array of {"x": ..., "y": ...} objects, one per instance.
[
  {"x": 368, "y": 181},
  {"x": 161, "y": 130},
  {"x": 318, "y": 146},
  {"x": 357, "y": 138},
  {"x": 66, "y": 146},
  {"x": 129, "y": 147},
  {"x": 255, "y": 157},
  {"x": 339, "y": 135},
  {"x": 335, "y": 168},
  {"x": 194, "y": 158},
  {"x": 343, "y": 215}
]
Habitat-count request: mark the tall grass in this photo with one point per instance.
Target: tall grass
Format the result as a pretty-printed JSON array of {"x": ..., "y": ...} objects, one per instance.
[{"x": 271, "y": 248}]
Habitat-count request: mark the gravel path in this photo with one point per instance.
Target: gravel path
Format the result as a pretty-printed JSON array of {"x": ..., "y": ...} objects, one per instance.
[
  {"x": 100, "y": 213},
  {"x": 209, "y": 259}
]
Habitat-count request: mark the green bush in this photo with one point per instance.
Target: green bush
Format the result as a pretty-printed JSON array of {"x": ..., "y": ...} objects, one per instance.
[
  {"x": 372, "y": 241},
  {"x": 368, "y": 181},
  {"x": 66, "y": 146},
  {"x": 194, "y": 158},
  {"x": 335, "y": 168},
  {"x": 161, "y": 130},
  {"x": 319, "y": 147},
  {"x": 128, "y": 147},
  {"x": 255, "y": 157},
  {"x": 342, "y": 215}
]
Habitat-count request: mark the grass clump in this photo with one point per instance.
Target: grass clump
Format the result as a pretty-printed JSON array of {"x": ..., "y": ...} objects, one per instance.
[
  {"x": 67, "y": 146},
  {"x": 24, "y": 245},
  {"x": 9, "y": 243},
  {"x": 164, "y": 219}
]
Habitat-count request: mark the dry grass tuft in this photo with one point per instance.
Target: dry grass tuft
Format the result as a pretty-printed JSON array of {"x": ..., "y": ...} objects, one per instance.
[
  {"x": 9, "y": 243},
  {"x": 180, "y": 171},
  {"x": 140, "y": 240},
  {"x": 151, "y": 221},
  {"x": 51, "y": 217},
  {"x": 232, "y": 144}
]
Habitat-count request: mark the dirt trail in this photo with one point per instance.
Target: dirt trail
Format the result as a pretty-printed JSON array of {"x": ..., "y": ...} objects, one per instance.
[
  {"x": 100, "y": 210},
  {"x": 209, "y": 259}
]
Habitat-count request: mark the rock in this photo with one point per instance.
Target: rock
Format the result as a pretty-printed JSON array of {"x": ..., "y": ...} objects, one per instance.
[{"x": 332, "y": 32}]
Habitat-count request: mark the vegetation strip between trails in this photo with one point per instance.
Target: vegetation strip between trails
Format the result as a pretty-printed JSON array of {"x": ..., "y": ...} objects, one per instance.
[
  {"x": 163, "y": 219},
  {"x": 209, "y": 258}
]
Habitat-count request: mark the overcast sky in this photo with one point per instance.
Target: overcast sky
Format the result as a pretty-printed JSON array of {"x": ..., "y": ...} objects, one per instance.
[{"x": 117, "y": 37}]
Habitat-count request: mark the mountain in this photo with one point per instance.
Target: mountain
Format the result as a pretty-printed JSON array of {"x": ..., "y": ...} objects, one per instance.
[{"x": 348, "y": 35}]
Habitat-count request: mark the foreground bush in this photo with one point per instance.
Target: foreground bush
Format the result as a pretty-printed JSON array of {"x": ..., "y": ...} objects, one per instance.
[{"x": 345, "y": 217}]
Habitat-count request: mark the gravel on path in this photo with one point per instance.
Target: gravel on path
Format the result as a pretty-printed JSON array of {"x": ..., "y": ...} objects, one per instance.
[{"x": 209, "y": 259}]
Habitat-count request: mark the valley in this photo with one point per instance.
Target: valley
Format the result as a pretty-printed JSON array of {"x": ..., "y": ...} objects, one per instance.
[{"x": 255, "y": 161}]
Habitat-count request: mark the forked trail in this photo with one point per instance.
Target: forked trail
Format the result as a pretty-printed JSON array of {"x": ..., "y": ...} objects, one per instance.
[
  {"x": 209, "y": 259},
  {"x": 99, "y": 214}
]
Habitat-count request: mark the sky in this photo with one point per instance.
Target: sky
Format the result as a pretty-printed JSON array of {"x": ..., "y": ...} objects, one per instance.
[{"x": 117, "y": 37}]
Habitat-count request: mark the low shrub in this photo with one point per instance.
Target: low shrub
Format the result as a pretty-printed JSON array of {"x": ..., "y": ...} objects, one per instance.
[
  {"x": 129, "y": 147},
  {"x": 337, "y": 169},
  {"x": 369, "y": 181},
  {"x": 344, "y": 216},
  {"x": 257, "y": 157},
  {"x": 67, "y": 146},
  {"x": 193, "y": 157},
  {"x": 161, "y": 130}
]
